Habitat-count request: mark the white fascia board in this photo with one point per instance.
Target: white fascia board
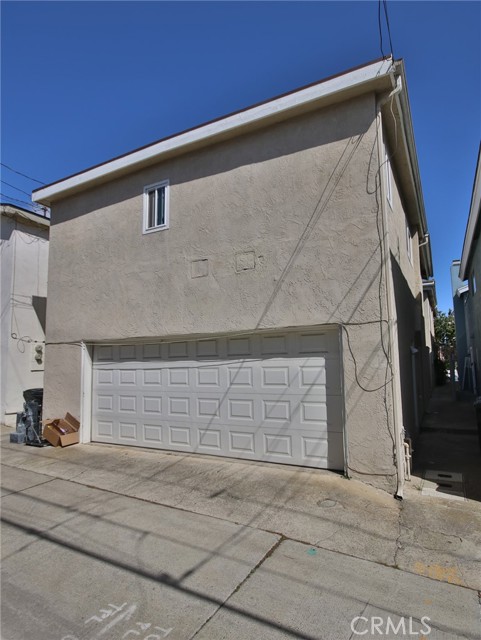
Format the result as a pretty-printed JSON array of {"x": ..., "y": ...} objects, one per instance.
[
  {"x": 473, "y": 221},
  {"x": 461, "y": 290},
  {"x": 205, "y": 132},
  {"x": 17, "y": 212}
]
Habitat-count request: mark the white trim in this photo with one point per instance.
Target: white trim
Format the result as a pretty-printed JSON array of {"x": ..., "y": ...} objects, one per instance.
[
  {"x": 86, "y": 380},
  {"x": 214, "y": 129},
  {"x": 345, "y": 440},
  {"x": 409, "y": 243},
  {"x": 388, "y": 174},
  {"x": 10, "y": 210},
  {"x": 473, "y": 220},
  {"x": 392, "y": 326},
  {"x": 461, "y": 290},
  {"x": 153, "y": 187}
]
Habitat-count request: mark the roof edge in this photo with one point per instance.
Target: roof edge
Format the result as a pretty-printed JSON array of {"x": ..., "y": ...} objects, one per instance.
[
  {"x": 429, "y": 288},
  {"x": 212, "y": 129},
  {"x": 473, "y": 220},
  {"x": 24, "y": 213}
]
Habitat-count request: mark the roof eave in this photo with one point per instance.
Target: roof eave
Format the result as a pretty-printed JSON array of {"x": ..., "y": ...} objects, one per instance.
[
  {"x": 429, "y": 288},
  {"x": 426, "y": 254},
  {"x": 360, "y": 79},
  {"x": 25, "y": 214},
  {"x": 474, "y": 222}
]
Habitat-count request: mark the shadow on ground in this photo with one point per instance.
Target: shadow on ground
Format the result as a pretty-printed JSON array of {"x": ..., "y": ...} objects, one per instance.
[{"x": 448, "y": 443}]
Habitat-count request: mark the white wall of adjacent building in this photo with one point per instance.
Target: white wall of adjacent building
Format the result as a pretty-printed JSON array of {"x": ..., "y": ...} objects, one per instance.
[{"x": 23, "y": 266}]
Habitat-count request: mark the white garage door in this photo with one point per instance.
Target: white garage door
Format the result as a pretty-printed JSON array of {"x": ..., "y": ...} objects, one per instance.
[{"x": 275, "y": 397}]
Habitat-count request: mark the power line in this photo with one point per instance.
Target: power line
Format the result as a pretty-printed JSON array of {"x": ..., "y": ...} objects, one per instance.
[
  {"x": 14, "y": 187},
  {"x": 21, "y": 174},
  {"x": 30, "y": 204},
  {"x": 379, "y": 23},
  {"x": 380, "y": 27},
  {"x": 388, "y": 27}
]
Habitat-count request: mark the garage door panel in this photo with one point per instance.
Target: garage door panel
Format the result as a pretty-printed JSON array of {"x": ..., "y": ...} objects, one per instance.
[
  {"x": 128, "y": 377},
  {"x": 287, "y": 412},
  {"x": 104, "y": 402},
  {"x": 152, "y": 434},
  {"x": 323, "y": 451},
  {"x": 128, "y": 432},
  {"x": 105, "y": 429},
  {"x": 181, "y": 435},
  {"x": 210, "y": 440},
  {"x": 273, "y": 397},
  {"x": 149, "y": 378},
  {"x": 210, "y": 377},
  {"x": 152, "y": 405},
  {"x": 240, "y": 346},
  {"x": 278, "y": 445}
]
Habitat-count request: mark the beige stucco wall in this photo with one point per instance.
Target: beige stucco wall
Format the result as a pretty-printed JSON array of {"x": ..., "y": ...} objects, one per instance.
[
  {"x": 428, "y": 315},
  {"x": 409, "y": 312},
  {"x": 24, "y": 259},
  {"x": 474, "y": 310},
  {"x": 298, "y": 198}
]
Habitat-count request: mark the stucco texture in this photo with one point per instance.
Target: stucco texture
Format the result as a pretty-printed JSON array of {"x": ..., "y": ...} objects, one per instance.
[
  {"x": 413, "y": 318},
  {"x": 474, "y": 309},
  {"x": 24, "y": 258},
  {"x": 286, "y": 218}
]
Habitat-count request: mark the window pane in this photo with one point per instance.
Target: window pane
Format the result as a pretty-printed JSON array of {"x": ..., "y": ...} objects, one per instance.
[
  {"x": 151, "y": 212},
  {"x": 161, "y": 206}
]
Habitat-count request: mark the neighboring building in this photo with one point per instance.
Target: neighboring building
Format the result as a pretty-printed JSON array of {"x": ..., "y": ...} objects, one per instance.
[
  {"x": 460, "y": 292},
  {"x": 425, "y": 363},
  {"x": 252, "y": 287},
  {"x": 470, "y": 270},
  {"x": 24, "y": 265}
]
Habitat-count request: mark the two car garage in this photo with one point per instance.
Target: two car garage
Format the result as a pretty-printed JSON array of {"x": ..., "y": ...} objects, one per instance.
[{"x": 273, "y": 397}]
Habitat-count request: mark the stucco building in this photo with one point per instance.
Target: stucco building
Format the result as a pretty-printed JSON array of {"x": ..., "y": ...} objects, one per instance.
[
  {"x": 23, "y": 266},
  {"x": 252, "y": 287},
  {"x": 470, "y": 271}
]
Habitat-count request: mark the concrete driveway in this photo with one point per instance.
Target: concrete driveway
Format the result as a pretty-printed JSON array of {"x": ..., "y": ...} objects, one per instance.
[{"x": 114, "y": 543}]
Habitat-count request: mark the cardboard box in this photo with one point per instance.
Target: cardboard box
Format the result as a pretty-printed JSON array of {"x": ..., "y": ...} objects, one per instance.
[{"x": 62, "y": 431}]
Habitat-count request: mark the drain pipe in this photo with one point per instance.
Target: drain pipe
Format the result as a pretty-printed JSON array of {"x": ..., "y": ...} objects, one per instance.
[
  {"x": 398, "y": 429},
  {"x": 425, "y": 240},
  {"x": 397, "y": 89},
  {"x": 407, "y": 458}
]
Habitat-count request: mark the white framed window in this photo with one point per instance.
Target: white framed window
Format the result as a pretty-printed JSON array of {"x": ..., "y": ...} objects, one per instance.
[
  {"x": 409, "y": 243},
  {"x": 156, "y": 207},
  {"x": 388, "y": 173}
]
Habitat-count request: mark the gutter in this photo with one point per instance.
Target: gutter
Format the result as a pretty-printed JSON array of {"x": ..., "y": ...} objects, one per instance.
[
  {"x": 398, "y": 429},
  {"x": 404, "y": 109},
  {"x": 274, "y": 109},
  {"x": 429, "y": 287},
  {"x": 474, "y": 222}
]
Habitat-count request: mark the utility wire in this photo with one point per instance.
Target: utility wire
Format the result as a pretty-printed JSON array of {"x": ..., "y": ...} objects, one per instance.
[
  {"x": 14, "y": 187},
  {"x": 21, "y": 174},
  {"x": 380, "y": 27},
  {"x": 30, "y": 204},
  {"x": 388, "y": 27},
  {"x": 379, "y": 23}
]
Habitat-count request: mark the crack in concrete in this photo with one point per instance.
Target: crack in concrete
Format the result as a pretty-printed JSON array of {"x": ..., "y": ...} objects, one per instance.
[
  {"x": 321, "y": 540},
  {"x": 267, "y": 555},
  {"x": 447, "y": 535},
  {"x": 354, "y": 631},
  {"x": 398, "y": 545}
]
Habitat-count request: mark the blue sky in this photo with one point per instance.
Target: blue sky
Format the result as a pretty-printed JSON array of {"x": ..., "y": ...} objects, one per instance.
[{"x": 85, "y": 81}]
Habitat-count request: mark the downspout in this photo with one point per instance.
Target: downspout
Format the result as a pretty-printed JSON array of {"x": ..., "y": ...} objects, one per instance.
[
  {"x": 399, "y": 449},
  {"x": 425, "y": 241}
]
